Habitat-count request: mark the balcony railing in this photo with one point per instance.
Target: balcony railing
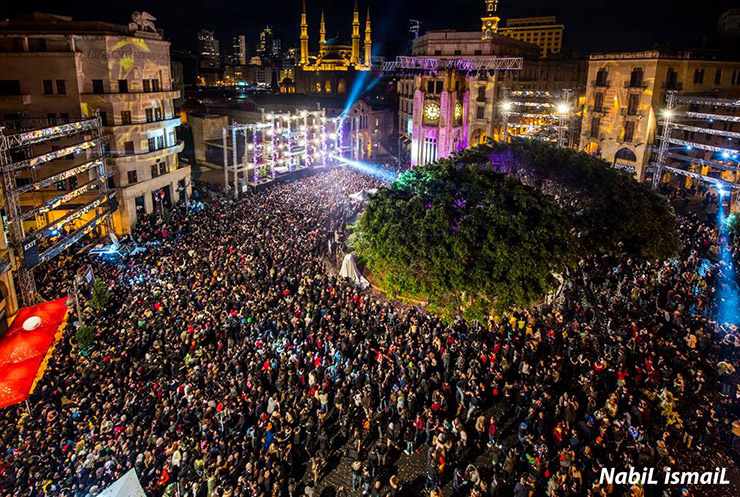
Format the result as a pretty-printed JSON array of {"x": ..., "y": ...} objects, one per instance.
[
  {"x": 637, "y": 85},
  {"x": 631, "y": 113},
  {"x": 5, "y": 262},
  {"x": 598, "y": 110},
  {"x": 601, "y": 83},
  {"x": 139, "y": 122},
  {"x": 176, "y": 148}
]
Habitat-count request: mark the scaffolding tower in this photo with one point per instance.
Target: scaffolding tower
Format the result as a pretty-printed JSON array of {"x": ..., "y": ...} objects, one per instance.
[
  {"x": 280, "y": 143},
  {"x": 30, "y": 163},
  {"x": 697, "y": 141},
  {"x": 540, "y": 115}
]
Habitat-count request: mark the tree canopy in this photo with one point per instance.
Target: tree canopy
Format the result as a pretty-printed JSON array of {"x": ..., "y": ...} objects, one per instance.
[{"x": 491, "y": 227}]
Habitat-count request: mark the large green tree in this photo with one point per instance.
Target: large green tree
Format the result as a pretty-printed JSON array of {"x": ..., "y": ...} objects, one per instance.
[
  {"x": 466, "y": 238},
  {"x": 491, "y": 227}
]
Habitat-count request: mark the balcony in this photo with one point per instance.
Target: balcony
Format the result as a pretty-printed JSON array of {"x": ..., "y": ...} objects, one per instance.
[
  {"x": 635, "y": 85},
  {"x": 148, "y": 126},
  {"x": 601, "y": 83},
  {"x": 628, "y": 113},
  {"x": 15, "y": 100},
  {"x": 597, "y": 110},
  {"x": 147, "y": 155},
  {"x": 130, "y": 96}
]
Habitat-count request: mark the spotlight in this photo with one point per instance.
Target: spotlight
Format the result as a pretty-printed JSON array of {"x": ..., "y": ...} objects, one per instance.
[
  {"x": 506, "y": 106},
  {"x": 562, "y": 108},
  {"x": 667, "y": 113}
]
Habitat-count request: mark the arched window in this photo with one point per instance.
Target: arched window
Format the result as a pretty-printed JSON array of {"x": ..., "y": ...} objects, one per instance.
[
  {"x": 327, "y": 86},
  {"x": 318, "y": 87},
  {"x": 636, "y": 77},
  {"x": 342, "y": 86},
  {"x": 625, "y": 154}
]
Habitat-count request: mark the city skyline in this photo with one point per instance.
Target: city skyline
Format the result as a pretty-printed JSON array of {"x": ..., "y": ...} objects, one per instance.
[{"x": 629, "y": 25}]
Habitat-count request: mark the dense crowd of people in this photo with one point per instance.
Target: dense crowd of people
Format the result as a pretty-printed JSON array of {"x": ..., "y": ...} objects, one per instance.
[{"x": 229, "y": 361}]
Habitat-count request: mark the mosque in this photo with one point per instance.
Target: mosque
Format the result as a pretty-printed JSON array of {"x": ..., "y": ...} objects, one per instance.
[{"x": 332, "y": 69}]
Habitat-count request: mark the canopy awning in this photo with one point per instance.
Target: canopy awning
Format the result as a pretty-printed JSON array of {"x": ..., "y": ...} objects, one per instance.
[{"x": 26, "y": 347}]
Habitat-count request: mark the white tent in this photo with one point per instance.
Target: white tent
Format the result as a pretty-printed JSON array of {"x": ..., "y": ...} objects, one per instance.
[
  {"x": 349, "y": 270},
  {"x": 363, "y": 195},
  {"x": 126, "y": 486}
]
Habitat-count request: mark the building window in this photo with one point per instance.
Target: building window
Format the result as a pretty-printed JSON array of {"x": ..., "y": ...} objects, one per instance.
[
  {"x": 51, "y": 115},
  {"x": 132, "y": 177},
  {"x": 629, "y": 131},
  {"x": 155, "y": 85},
  {"x": 61, "y": 87},
  {"x": 160, "y": 142},
  {"x": 73, "y": 182},
  {"x": 104, "y": 117},
  {"x": 162, "y": 168},
  {"x": 636, "y": 77},
  {"x": 458, "y": 52},
  {"x": 634, "y": 100},
  {"x": 158, "y": 113},
  {"x": 155, "y": 170},
  {"x": 481, "y": 93},
  {"x": 671, "y": 78},
  {"x": 147, "y": 85},
  {"x": 64, "y": 116},
  {"x": 595, "y": 125},
  {"x": 480, "y": 112},
  {"x": 598, "y": 102},
  {"x": 125, "y": 117},
  {"x": 128, "y": 148},
  {"x": 48, "y": 90},
  {"x": 10, "y": 87},
  {"x": 698, "y": 76},
  {"x": 440, "y": 85},
  {"x": 149, "y": 115},
  {"x": 122, "y": 86},
  {"x": 601, "y": 77},
  {"x": 97, "y": 85},
  {"x": 430, "y": 86},
  {"x": 478, "y": 52},
  {"x": 718, "y": 76},
  {"x": 152, "y": 144},
  {"x": 438, "y": 52}
]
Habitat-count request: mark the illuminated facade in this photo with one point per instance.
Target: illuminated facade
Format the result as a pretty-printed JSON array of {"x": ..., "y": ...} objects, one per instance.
[
  {"x": 333, "y": 68},
  {"x": 444, "y": 111},
  {"x": 625, "y": 92},
  {"x": 66, "y": 68},
  {"x": 544, "y": 32}
]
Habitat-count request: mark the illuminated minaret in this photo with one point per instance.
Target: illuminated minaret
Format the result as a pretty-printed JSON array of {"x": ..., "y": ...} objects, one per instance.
[
  {"x": 355, "y": 37},
  {"x": 490, "y": 20},
  {"x": 368, "y": 41},
  {"x": 304, "y": 37},
  {"x": 322, "y": 31}
]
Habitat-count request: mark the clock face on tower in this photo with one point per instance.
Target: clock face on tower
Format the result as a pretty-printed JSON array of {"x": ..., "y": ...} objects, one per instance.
[
  {"x": 458, "y": 112},
  {"x": 431, "y": 111}
]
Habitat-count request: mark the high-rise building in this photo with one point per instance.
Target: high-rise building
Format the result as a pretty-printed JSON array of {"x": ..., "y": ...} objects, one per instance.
[
  {"x": 239, "y": 50},
  {"x": 64, "y": 68},
  {"x": 545, "y": 32},
  {"x": 209, "y": 54},
  {"x": 276, "y": 50},
  {"x": 625, "y": 93},
  {"x": 265, "y": 44}
]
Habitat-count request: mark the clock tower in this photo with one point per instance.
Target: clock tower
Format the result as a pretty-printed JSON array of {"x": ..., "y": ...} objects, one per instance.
[{"x": 490, "y": 20}]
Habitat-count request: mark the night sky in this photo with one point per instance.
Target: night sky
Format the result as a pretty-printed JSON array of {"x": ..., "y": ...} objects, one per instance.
[{"x": 590, "y": 25}]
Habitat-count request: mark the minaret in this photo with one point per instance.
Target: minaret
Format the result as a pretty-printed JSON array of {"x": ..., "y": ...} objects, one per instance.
[
  {"x": 322, "y": 32},
  {"x": 355, "y": 37},
  {"x": 304, "y": 37},
  {"x": 490, "y": 20},
  {"x": 368, "y": 41}
]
